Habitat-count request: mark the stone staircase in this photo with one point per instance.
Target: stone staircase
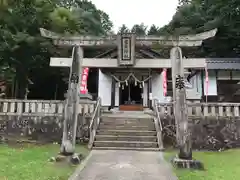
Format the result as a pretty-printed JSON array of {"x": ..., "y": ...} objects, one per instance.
[{"x": 126, "y": 131}]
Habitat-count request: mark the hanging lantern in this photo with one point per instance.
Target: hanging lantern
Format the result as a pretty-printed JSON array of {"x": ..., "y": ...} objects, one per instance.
[
  {"x": 122, "y": 87},
  {"x": 119, "y": 84},
  {"x": 135, "y": 83},
  {"x": 140, "y": 86},
  {"x": 126, "y": 83}
]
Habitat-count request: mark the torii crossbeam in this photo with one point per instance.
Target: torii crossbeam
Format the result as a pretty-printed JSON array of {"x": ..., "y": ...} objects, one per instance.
[{"x": 181, "y": 41}]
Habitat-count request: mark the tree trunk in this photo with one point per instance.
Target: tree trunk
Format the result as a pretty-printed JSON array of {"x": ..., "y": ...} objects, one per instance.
[
  {"x": 21, "y": 79},
  {"x": 72, "y": 105}
]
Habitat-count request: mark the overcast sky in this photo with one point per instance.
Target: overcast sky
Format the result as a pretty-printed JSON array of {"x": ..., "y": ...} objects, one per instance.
[{"x": 130, "y": 12}]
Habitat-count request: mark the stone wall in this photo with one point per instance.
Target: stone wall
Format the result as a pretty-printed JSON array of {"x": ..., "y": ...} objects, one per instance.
[
  {"x": 40, "y": 120},
  {"x": 40, "y": 128},
  {"x": 208, "y": 133}
]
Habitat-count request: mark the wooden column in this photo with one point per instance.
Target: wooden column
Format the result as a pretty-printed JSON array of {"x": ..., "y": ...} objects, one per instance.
[
  {"x": 142, "y": 95},
  {"x": 113, "y": 92},
  {"x": 120, "y": 93},
  {"x": 150, "y": 90}
]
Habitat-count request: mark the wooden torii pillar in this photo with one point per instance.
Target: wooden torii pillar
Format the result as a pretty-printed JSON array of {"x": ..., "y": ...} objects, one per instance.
[
  {"x": 183, "y": 133},
  {"x": 71, "y": 107}
]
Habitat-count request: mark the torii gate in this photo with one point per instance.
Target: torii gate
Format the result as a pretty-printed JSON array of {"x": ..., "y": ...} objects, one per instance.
[{"x": 126, "y": 57}]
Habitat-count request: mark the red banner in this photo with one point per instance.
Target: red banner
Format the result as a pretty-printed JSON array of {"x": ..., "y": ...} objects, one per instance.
[
  {"x": 164, "y": 73},
  {"x": 83, "y": 84}
]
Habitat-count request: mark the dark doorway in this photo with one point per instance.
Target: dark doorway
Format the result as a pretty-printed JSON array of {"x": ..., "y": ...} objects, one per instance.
[{"x": 131, "y": 94}]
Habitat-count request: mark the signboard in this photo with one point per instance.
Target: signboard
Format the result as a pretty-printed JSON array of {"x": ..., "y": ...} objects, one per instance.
[{"x": 126, "y": 49}]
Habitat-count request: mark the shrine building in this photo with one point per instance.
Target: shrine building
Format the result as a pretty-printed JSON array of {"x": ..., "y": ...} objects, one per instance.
[{"x": 130, "y": 72}]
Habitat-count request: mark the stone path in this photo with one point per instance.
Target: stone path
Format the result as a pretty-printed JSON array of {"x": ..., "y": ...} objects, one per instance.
[{"x": 125, "y": 165}]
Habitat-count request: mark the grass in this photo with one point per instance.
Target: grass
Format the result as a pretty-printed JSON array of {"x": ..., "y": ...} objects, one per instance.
[
  {"x": 30, "y": 162},
  {"x": 219, "y": 166}
]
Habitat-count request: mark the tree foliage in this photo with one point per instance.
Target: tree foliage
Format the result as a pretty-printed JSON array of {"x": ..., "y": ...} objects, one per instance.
[
  {"x": 201, "y": 15},
  {"x": 140, "y": 29},
  {"x": 23, "y": 52}
]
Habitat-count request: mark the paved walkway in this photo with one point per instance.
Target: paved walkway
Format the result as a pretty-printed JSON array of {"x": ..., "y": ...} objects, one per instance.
[{"x": 124, "y": 165}]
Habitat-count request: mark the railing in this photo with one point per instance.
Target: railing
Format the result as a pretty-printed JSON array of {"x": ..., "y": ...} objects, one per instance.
[
  {"x": 17, "y": 107},
  {"x": 158, "y": 124},
  {"x": 94, "y": 123},
  {"x": 204, "y": 109}
]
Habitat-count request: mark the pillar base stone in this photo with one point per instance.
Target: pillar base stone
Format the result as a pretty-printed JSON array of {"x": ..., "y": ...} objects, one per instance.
[{"x": 187, "y": 163}]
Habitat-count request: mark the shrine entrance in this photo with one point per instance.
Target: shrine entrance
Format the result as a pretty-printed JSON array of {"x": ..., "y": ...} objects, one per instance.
[
  {"x": 131, "y": 98},
  {"x": 125, "y": 58},
  {"x": 121, "y": 54}
]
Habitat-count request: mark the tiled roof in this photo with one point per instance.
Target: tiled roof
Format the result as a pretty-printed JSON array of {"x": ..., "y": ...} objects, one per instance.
[{"x": 223, "y": 63}]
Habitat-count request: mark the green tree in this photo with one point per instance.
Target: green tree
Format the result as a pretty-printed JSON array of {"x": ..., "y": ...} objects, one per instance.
[
  {"x": 202, "y": 15},
  {"x": 93, "y": 21},
  {"x": 139, "y": 29},
  {"x": 24, "y": 52},
  {"x": 154, "y": 30},
  {"x": 123, "y": 29}
]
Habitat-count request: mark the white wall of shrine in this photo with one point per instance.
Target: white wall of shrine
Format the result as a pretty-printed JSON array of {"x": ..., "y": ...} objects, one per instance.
[
  {"x": 157, "y": 87},
  {"x": 104, "y": 88}
]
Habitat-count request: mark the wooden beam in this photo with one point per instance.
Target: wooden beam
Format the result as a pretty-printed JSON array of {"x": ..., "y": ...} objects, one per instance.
[
  {"x": 147, "y": 53},
  {"x": 104, "y": 54},
  {"x": 60, "y": 62},
  {"x": 194, "y": 63},
  {"x": 121, "y": 71},
  {"x": 186, "y": 40}
]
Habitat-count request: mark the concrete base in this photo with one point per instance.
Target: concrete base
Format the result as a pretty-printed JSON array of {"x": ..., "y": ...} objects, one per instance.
[
  {"x": 73, "y": 159},
  {"x": 187, "y": 164}
]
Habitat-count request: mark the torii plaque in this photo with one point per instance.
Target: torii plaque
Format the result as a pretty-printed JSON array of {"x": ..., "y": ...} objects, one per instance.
[{"x": 126, "y": 49}]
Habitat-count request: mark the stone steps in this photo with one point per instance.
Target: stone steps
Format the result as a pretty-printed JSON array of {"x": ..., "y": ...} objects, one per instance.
[
  {"x": 131, "y": 144},
  {"x": 127, "y": 124},
  {"x": 126, "y": 120},
  {"x": 127, "y": 127},
  {"x": 126, "y": 131},
  {"x": 125, "y": 138},
  {"x": 127, "y": 148}
]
